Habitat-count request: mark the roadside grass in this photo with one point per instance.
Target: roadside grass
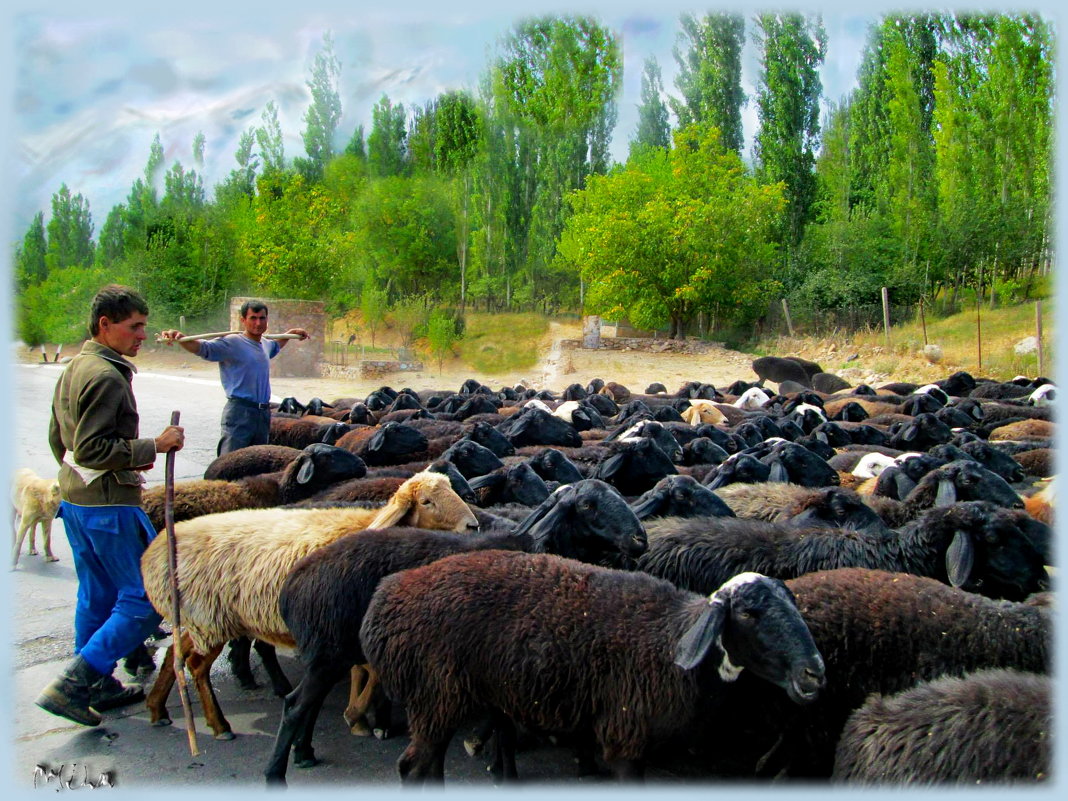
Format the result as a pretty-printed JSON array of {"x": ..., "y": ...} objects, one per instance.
[
  {"x": 960, "y": 336},
  {"x": 501, "y": 343}
]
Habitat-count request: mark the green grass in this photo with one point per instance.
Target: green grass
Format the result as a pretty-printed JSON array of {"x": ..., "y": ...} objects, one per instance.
[{"x": 499, "y": 343}]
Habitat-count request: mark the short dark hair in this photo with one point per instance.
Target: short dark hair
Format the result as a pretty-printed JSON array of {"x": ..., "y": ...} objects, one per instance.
[
  {"x": 117, "y": 303},
  {"x": 252, "y": 305}
]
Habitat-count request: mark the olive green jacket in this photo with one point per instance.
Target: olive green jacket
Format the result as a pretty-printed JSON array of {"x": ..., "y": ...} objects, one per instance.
[{"x": 94, "y": 425}]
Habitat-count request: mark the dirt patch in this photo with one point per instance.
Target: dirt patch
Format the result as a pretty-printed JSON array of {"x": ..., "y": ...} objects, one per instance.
[{"x": 634, "y": 365}]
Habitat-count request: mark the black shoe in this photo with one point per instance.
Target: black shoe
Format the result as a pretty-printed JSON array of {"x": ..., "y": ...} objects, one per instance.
[
  {"x": 69, "y": 695},
  {"x": 109, "y": 693}
]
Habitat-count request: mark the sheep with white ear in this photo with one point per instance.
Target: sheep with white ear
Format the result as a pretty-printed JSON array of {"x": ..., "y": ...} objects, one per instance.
[
  {"x": 231, "y": 567},
  {"x": 560, "y": 646}
]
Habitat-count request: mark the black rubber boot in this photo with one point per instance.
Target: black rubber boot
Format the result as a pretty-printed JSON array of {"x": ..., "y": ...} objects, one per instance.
[
  {"x": 109, "y": 693},
  {"x": 69, "y": 695}
]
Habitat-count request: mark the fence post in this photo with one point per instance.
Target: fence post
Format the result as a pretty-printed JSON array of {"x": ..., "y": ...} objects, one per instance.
[
  {"x": 181, "y": 323},
  {"x": 979, "y": 331},
  {"x": 1038, "y": 330},
  {"x": 786, "y": 311},
  {"x": 923, "y": 321},
  {"x": 886, "y": 314}
]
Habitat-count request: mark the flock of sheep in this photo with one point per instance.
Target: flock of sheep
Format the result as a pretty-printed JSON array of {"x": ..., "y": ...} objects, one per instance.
[{"x": 822, "y": 581}]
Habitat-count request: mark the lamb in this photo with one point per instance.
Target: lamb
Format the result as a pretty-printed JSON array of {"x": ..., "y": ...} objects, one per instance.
[
  {"x": 991, "y": 726},
  {"x": 879, "y": 632},
  {"x": 231, "y": 567},
  {"x": 318, "y": 466},
  {"x": 326, "y": 594},
  {"x": 35, "y": 501},
  {"x": 974, "y": 545},
  {"x": 557, "y": 636}
]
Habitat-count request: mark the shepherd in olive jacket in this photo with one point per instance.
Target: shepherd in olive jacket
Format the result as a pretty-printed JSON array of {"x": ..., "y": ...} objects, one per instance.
[{"x": 93, "y": 434}]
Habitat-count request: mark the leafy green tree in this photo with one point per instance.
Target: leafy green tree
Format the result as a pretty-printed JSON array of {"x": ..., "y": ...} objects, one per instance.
[
  {"x": 555, "y": 85},
  {"x": 792, "y": 49},
  {"x": 30, "y": 265},
  {"x": 269, "y": 138},
  {"x": 241, "y": 182},
  {"x": 70, "y": 232},
  {"x": 422, "y": 135},
  {"x": 459, "y": 136},
  {"x": 405, "y": 233},
  {"x": 709, "y": 55},
  {"x": 441, "y": 336},
  {"x": 55, "y": 309},
  {"x": 356, "y": 146},
  {"x": 373, "y": 308},
  {"x": 410, "y": 317},
  {"x": 323, "y": 115},
  {"x": 653, "y": 129},
  {"x": 198, "y": 149},
  {"x": 674, "y": 234},
  {"x": 112, "y": 245},
  {"x": 387, "y": 142}
]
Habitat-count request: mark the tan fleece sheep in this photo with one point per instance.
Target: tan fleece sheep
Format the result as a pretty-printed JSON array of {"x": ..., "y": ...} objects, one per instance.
[
  {"x": 35, "y": 501},
  {"x": 231, "y": 567}
]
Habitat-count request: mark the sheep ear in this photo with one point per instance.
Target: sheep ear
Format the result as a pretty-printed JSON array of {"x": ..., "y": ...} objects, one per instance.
[
  {"x": 306, "y": 470},
  {"x": 694, "y": 644},
  {"x": 611, "y": 466},
  {"x": 904, "y": 484},
  {"x": 398, "y": 507},
  {"x": 778, "y": 473},
  {"x": 545, "y": 520},
  {"x": 947, "y": 493},
  {"x": 960, "y": 556},
  {"x": 910, "y": 433},
  {"x": 650, "y": 506}
]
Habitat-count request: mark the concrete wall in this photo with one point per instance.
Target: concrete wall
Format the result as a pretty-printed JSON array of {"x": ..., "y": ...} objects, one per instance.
[{"x": 298, "y": 359}]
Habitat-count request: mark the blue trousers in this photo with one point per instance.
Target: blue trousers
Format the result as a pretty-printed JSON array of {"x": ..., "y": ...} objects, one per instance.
[
  {"x": 113, "y": 614},
  {"x": 243, "y": 426}
]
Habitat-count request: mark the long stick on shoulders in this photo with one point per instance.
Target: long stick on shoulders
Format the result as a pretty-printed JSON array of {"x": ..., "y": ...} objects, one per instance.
[{"x": 172, "y": 570}]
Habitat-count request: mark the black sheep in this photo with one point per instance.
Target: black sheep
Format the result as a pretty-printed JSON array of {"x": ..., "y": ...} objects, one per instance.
[
  {"x": 619, "y": 658},
  {"x": 972, "y": 545},
  {"x": 325, "y": 596},
  {"x": 878, "y": 632},
  {"x": 634, "y": 466},
  {"x": 680, "y": 496},
  {"x": 778, "y": 369}
]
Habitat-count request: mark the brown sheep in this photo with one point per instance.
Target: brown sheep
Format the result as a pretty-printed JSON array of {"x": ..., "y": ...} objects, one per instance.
[
  {"x": 231, "y": 567},
  {"x": 1024, "y": 429}
]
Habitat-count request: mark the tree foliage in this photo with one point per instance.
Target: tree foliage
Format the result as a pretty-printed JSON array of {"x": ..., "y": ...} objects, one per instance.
[{"x": 675, "y": 233}]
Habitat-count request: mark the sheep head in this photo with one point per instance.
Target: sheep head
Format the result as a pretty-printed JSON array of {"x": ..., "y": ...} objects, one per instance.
[
  {"x": 426, "y": 500},
  {"x": 755, "y": 621}
]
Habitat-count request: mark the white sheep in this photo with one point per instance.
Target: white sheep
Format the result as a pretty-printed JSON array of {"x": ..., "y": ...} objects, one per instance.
[
  {"x": 35, "y": 502},
  {"x": 231, "y": 567},
  {"x": 752, "y": 399}
]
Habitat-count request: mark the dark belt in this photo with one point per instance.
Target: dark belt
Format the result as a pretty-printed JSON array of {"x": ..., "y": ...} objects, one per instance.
[{"x": 248, "y": 403}]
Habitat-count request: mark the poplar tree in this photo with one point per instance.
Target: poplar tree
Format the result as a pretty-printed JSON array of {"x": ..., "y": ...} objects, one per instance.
[
  {"x": 30, "y": 266},
  {"x": 269, "y": 138},
  {"x": 653, "y": 128},
  {"x": 387, "y": 142},
  {"x": 70, "y": 232},
  {"x": 709, "y": 55},
  {"x": 323, "y": 115},
  {"x": 792, "y": 49}
]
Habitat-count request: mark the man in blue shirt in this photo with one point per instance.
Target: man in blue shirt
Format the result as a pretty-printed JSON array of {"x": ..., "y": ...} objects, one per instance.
[{"x": 244, "y": 368}]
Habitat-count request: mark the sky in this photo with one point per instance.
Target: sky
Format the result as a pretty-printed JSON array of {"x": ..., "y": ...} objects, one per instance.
[{"x": 92, "y": 85}]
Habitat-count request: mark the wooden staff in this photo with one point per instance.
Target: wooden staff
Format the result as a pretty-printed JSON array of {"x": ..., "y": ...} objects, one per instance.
[
  {"x": 172, "y": 570},
  {"x": 217, "y": 334}
]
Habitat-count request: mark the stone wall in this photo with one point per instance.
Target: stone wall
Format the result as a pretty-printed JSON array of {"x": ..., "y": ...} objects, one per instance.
[
  {"x": 298, "y": 359},
  {"x": 375, "y": 369}
]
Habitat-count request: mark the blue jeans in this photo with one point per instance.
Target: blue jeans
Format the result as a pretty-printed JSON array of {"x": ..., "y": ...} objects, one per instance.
[
  {"x": 243, "y": 426},
  {"x": 113, "y": 614}
]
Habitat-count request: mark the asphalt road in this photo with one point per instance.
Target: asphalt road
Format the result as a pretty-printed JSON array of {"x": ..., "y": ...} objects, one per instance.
[{"x": 125, "y": 746}]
